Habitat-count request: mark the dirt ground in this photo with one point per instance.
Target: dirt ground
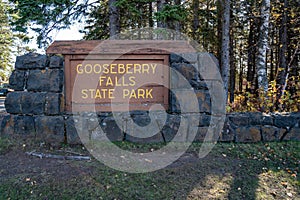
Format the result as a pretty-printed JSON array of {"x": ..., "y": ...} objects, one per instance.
[{"x": 228, "y": 172}]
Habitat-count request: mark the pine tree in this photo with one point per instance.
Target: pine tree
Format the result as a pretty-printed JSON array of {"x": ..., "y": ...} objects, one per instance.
[{"x": 6, "y": 41}]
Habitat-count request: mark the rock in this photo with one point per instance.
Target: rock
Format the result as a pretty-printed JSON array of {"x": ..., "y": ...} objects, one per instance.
[
  {"x": 248, "y": 134},
  {"x": 228, "y": 132},
  {"x": 208, "y": 67},
  {"x": 204, "y": 120},
  {"x": 56, "y": 62},
  {"x": 50, "y": 80},
  {"x": 285, "y": 121},
  {"x": 15, "y": 124},
  {"x": 7, "y": 125},
  {"x": 188, "y": 71},
  {"x": 204, "y": 101},
  {"x": 271, "y": 133},
  {"x": 171, "y": 127},
  {"x": 177, "y": 81},
  {"x": 189, "y": 57},
  {"x": 239, "y": 119},
  {"x": 157, "y": 138},
  {"x": 112, "y": 130},
  {"x": 13, "y": 102},
  {"x": 72, "y": 130},
  {"x": 53, "y": 104},
  {"x": 185, "y": 101},
  {"x": 201, "y": 133},
  {"x": 31, "y": 61},
  {"x": 17, "y": 80},
  {"x": 24, "y": 125},
  {"x": 293, "y": 135},
  {"x": 33, "y": 103},
  {"x": 175, "y": 58},
  {"x": 50, "y": 129}
]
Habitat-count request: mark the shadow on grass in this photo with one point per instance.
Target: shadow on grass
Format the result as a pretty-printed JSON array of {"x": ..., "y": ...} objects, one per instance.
[{"x": 230, "y": 171}]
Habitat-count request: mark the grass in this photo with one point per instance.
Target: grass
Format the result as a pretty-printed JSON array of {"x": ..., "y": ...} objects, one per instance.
[
  {"x": 5, "y": 144},
  {"x": 230, "y": 171}
]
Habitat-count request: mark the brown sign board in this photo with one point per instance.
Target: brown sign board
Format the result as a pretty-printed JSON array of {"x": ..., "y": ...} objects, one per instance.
[{"x": 101, "y": 75}]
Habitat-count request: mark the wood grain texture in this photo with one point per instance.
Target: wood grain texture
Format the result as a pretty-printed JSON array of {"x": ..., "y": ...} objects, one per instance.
[{"x": 85, "y": 47}]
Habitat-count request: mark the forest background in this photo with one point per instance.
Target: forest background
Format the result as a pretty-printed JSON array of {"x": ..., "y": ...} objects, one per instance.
[{"x": 257, "y": 42}]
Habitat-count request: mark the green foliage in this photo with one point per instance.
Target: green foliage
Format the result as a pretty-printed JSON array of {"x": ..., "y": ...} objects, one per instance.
[
  {"x": 171, "y": 13},
  {"x": 44, "y": 16},
  {"x": 6, "y": 41}
]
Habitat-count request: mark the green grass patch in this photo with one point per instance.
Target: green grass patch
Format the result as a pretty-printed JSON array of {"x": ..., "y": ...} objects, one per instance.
[{"x": 230, "y": 171}]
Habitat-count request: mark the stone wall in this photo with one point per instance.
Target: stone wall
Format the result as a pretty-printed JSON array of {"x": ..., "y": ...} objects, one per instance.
[{"x": 36, "y": 109}]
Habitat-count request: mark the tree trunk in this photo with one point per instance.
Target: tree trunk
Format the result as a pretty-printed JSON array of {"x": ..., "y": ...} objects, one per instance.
[
  {"x": 195, "y": 18},
  {"x": 151, "y": 23},
  {"x": 282, "y": 68},
  {"x": 225, "y": 57},
  {"x": 262, "y": 46},
  {"x": 160, "y": 6},
  {"x": 114, "y": 18},
  {"x": 177, "y": 23},
  {"x": 251, "y": 55},
  {"x": 232, "y": 70}
]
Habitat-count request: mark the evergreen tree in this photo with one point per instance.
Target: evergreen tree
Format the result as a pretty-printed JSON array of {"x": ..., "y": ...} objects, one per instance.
[{"x": 6, "y": 41}]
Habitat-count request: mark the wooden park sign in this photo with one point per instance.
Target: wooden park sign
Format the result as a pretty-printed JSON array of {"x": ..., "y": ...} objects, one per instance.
[{"x": 99, "y": 74}]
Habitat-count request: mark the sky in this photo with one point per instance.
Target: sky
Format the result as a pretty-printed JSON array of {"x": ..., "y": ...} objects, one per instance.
[{"x": 67, "y": 34}]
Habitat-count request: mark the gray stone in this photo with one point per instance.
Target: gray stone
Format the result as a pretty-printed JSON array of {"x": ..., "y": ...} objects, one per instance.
[
  {"x": 169, "y": 133},
  {"x": 204, "y": 120},
  {"x": 267, "y": 120},
  {"x": 71, "y": 130},
  {"x": 175, "y": 58},
  {"x": 53, "y": 104},
  {"x": 112, "y": 130},
  {"x": 24, "y": 125},
  {"x": 248, "y": 134},
  {"x": 17, "y": 80},
  {"x": 184, "y": 101},
  {"x": 285, "y": 121},
  {"x": 157, "y": 138},
  {"x": 31, "y": 61},
  {"x": 204, "y": 101},
  {"x": 141, "y": 120},
  {"x": 50, "y": 80},
  {"x": 271, "y": 133},
  {"x": 227, "y": 135},
  {"x": 239, "y": 119},
  {"x": 56, "y": 80},
  {"x": 56, "y": 62},
  {"x": 171, "y": 127},
  {"x": 228, "y": 132},
  {"x": 184, "y": 133},
  {"x": 202, "y": 132},
  {"x": 208, "y": 67},
  {"x": 177, "y": 81},
  {"x": 80, "y": 128},
  {"x": 189, "y": 57},
  {"x": 7, "y": 125},
  {"x": 13, "y": 102},
  {"x": 15, "y": 124},
  {"x": 50, "y": 129},
  {"x": 199, "y": 85},
  {"x": 255, "y": 118},
  {"x": 188, "y": 71},
  {"x": 293, "y": 135},
  {"x": 33, "y": 103}
]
